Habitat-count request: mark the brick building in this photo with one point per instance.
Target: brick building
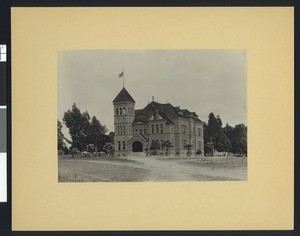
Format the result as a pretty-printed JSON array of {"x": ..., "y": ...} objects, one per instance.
[{"x": 135, "y": 129}]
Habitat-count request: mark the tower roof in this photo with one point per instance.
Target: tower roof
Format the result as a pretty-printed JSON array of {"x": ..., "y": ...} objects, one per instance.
[{"x": 123, "y": 96}]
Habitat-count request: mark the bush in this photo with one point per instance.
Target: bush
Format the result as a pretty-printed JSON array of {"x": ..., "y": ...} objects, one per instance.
[{"x": 198, "y": 152}]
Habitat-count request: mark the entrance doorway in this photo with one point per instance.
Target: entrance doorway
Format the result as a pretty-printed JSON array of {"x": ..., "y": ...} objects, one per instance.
[{"x": 137, "y": 146}]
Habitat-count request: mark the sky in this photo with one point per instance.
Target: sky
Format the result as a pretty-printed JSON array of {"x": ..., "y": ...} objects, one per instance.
[{"x": 202, "y": 81}]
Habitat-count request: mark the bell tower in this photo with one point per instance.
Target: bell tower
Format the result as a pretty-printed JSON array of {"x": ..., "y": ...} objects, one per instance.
[{"x": 123, "y": 118}]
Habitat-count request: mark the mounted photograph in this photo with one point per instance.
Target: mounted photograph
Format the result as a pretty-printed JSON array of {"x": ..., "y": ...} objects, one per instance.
[{"x": 152, "y": 115}]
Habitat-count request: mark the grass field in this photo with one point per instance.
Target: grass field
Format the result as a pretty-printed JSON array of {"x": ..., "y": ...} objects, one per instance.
[{"x": 139, "y": 168}]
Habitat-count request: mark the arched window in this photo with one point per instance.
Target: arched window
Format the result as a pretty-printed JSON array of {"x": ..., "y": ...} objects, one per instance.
[{"x": 117, "y": 111}]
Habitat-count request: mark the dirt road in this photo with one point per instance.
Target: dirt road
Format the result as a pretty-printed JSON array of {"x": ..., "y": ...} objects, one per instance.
[{"x": 137, "y": 167}]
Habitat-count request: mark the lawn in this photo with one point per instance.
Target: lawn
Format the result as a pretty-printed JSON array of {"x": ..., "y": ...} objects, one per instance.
[
  {"x": 151, "y": 169},
  {"x": 85, "y": 170}
]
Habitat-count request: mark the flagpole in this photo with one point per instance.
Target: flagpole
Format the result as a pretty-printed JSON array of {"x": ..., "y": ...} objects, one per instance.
[{"x": 123, "y": 79}]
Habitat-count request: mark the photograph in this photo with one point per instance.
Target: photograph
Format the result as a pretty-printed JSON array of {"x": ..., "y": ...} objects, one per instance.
[{"x": 152, "y": 115}]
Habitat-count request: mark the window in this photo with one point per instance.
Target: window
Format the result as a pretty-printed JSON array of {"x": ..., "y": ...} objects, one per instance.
[
  {"x": 120, "y": 111},
  {"x": 183, "y": 129},
  {"x": 123, "y": 145},
  {"x": 152, "y": 127},
  {"x": 199, "y": 145},
  {"x": 157, "y": 128},
  {"x": 124, "y": 110},
  {"x": 124, "y": 130},
  {"x": 119, "y": 145},
  {"x": 141, "y": 131},
  {"x": 144, "y": 131},
  {"x": 118, "y": 130},
  {"x": 183, "y": 143},
  {"x": 199, "y": 132},
  {"x": 117, "y": 111},
  {"x": 161, "y": 128}
]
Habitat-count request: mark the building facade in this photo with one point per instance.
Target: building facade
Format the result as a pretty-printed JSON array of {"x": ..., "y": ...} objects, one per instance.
[{"x": 136, "y": 129}]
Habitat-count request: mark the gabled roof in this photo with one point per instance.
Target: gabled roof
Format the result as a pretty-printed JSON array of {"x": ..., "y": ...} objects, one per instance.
[
  {"x": 123, "y": 96},
  {"x": 166, "y": 111}
]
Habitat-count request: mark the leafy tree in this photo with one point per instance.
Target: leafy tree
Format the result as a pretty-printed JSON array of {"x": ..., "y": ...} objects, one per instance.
[
  {"x": 239, "y": 139},
  {"x": 111, "y": 137},
  {"x": 213, "y": 136},
  {"x": 73, "y": 120},
  {"x": 222, "y": 143},
  {"x": 109, "y": 148},
  {"x": 167, "y": 145},
  {"x": 228, "y": 130},
  {"x": 96, "y": 134},
  {"x": 155, "y": 145},
  {"x": 208, "y": 137},
  {"x": 224, "y": 139},
  {"x": 86, "y": 133},
  {"x": 60, "y": 137},
  {"x": 214, "y": 124}
]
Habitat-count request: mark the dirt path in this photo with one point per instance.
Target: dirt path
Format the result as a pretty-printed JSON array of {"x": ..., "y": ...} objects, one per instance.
[
  {"x": 182, "y": 170},
  {"x": 138, "y": 167}
]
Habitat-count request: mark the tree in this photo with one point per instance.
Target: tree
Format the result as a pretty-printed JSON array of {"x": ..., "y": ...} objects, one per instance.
[
  {"x": 213, "y": 136},
  {"x": 214, "y": 123},
  {"x": 167, "y": 145},
  {"x": 208, "y": 137},
  {"x": 155, "y": 145},
  {"x": 239, "y": 139},
  {"x": 111, "y": 137},
  {"x": 222, "y": 143},
  {"x": 228, "y": 130},
  {"x": 60, "y": 137},
  {"x": 86, "y": 133},
  {"x": 79, "y": 127},
  {"x": 188, "y": 147},
  {"x": 109, "y": 148},
  {"x": 96, "y": 134}
]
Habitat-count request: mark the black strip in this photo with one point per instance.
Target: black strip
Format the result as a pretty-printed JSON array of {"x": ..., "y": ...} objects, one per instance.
[
  {"x": 148, "y": 3},
  {"x": 2, "y": 83},
  {"x": 163, "y": 233},
  {"x": 3, "y": 130}
]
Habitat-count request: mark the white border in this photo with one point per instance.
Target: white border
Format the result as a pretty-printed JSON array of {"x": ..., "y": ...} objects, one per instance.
[{"x": 3, "y": 179}]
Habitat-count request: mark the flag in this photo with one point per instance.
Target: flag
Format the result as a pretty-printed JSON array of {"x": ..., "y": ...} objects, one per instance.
[{"x": 121, "y": 75}]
